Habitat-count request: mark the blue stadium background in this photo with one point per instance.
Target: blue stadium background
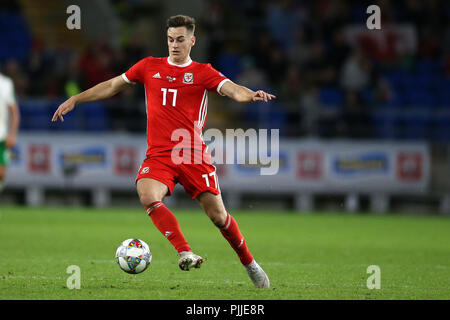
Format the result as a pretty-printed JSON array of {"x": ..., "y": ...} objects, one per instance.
[{"x": 326, "y": 86}]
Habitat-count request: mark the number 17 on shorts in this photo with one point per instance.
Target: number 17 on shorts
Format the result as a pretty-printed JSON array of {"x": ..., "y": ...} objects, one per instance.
[{"x": 211, "y": 176}]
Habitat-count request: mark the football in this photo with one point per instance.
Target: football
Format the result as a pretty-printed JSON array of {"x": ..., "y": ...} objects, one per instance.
[{"x": 133, "y": 256}]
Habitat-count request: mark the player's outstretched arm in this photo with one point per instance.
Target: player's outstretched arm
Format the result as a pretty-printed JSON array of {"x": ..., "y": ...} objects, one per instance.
[
  {"x": 103, "y": 90},
  {"x": 244, "y": 94}
]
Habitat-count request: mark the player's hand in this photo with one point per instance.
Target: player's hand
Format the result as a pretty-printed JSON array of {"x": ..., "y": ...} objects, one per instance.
[
  {"x": 63, "y": 109},
  {"x": 10, "y": 141},
  {"x": 262, "y": 96}
]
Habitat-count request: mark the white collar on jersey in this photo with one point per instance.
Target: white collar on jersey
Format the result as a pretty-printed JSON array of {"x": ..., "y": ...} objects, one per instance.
[{"x": 179, "y": 65}]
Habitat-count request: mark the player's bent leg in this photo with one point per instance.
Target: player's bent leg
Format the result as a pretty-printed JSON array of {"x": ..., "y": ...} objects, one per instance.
[
  {"x": 151, "y": 193},
  {"x": 213, "y": 206},
  {"x": 150, "y": 190}
]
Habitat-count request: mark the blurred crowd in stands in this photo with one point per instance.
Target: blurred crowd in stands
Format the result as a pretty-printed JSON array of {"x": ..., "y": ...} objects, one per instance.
[{"x": 333, "y": 77}]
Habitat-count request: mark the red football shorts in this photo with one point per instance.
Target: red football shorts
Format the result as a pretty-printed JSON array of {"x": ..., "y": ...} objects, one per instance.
[{"x": 196, "y": 178}]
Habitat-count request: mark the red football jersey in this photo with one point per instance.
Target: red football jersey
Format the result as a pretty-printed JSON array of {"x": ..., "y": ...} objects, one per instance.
[{"x": 176, "y": 101}]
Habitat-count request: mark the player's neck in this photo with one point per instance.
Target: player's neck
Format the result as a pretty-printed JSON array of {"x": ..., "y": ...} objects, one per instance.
[{"x": 187, "y": 61}]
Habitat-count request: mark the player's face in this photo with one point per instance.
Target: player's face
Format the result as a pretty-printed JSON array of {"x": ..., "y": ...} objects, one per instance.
[{"x": 180, "y": 42}]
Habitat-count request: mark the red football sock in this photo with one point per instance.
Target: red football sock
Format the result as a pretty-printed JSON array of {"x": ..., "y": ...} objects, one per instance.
[
  {"x": 167, "y": 224},
  {"x": 234, "y": 237}
]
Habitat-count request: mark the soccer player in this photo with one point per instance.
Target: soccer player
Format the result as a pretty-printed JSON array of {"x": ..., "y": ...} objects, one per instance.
[
  {"x": 9, "y": 123},
  {"x": 176, "y": 91}
]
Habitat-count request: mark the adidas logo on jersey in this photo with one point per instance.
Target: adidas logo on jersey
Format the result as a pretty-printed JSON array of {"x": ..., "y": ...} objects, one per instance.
[{"x": 157, "y": 75}]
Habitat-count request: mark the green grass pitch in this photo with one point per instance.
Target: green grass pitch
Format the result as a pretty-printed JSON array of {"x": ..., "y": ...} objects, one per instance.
[{"x": 307, "y": 256}]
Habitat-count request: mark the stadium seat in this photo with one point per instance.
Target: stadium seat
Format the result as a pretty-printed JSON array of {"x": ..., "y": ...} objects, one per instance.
[
  {"x": 230, "y": 65},
  {"x": 442, "y": 82},
  {"x": 331, "y": 97},
  {"x": 367, "y": 96},
  {"x": 35, "y": 114},
  {"x": 358, "y": 13},
  {"x": 441, "y": 127},
  {"x": 16, "y": 38},
  {"x": 94, "y": 117},
  {"x": 396, "y": 79},
  {"x": 422, "y": 81},
  {"x": 385, "y": 123},
  {"x": 443, "y": 98},
  {"x": 420, "y": 98},
  {"x": 408, "y": 81},
  {"x": 277, "y": 118},
  {"x": 416, "y": 125},
  {"x": 429, "y": 67},
  {"x": 397, "y": 100},
  {"x": 265, "y": 116},
  {"x": 443, "y": 92}
]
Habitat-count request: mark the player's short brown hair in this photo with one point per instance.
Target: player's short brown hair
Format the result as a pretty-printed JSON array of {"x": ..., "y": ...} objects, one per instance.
[{"x": 181, "y": 21}]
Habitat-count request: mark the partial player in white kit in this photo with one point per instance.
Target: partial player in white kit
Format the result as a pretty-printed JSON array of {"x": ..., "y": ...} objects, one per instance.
[{"x": 9, "y": 124}]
